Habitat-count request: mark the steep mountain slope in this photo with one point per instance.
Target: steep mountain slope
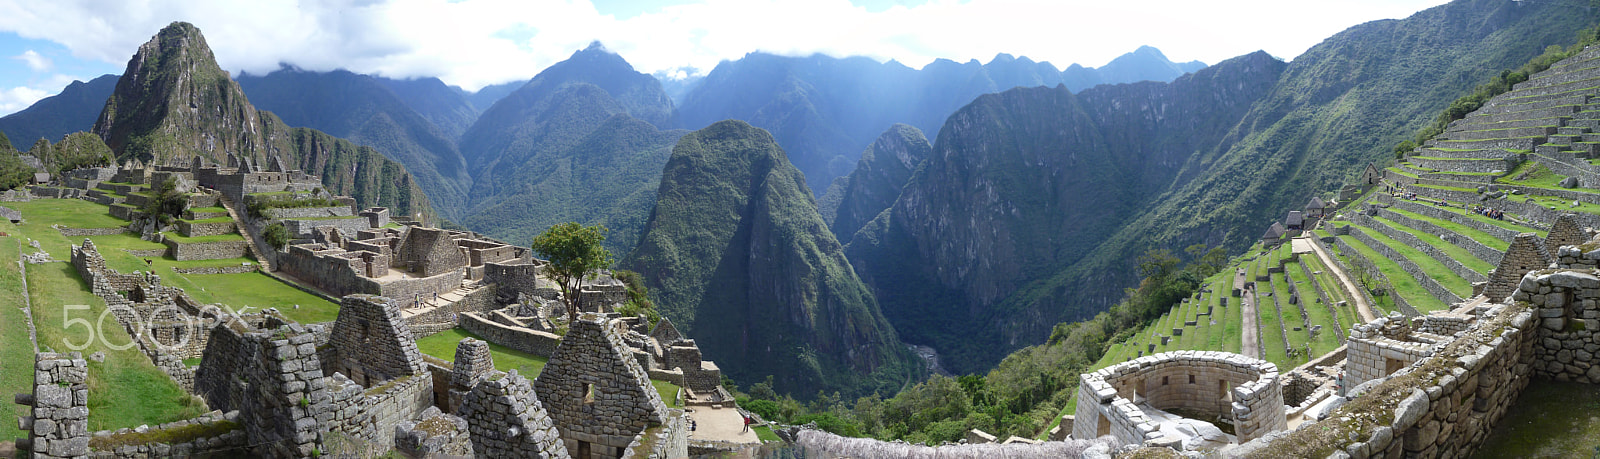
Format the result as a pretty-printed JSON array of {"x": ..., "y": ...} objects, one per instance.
[
  {"x": 1023, "y": 182},
  {"x": 737, "y": 255},
  {"x": 442, "y": 105},
  {"x": 823, "y": 109},
  {"x": 1144, "y": 64},
  {"x": 1345, "y": 102},
  {"x": 173, "y": 102},
  {"x": 884, "y": 168},
  {"x": 73, "y": 110},
  {"x": 363, "y": 109},
  {"x": 555, "y": 150}
]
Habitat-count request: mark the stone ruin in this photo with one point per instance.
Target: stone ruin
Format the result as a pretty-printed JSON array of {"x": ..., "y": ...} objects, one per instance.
[
  {"x": 1526, "y": 253},
  {"x": 1130, "y": 401},
  {"x": 1388, "y": 344},
  {"x": 592, "y": 377}
]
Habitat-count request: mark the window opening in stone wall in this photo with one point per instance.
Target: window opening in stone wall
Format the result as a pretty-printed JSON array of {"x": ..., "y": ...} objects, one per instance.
[
  {"x": 1104, "y": 428},
  {"x": 1191, "y": 379},
  {"x": 1392, "y": 365},
  {"x": 588, "y": 393},
  {"x": 1163, "y": 380}
]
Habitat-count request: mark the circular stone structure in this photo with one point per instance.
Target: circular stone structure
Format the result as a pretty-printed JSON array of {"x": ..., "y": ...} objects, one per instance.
[{"x": 1114, "y": 400}]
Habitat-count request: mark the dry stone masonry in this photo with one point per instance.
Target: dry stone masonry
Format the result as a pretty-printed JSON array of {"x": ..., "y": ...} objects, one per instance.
[
  {"x": 1113, "y": 401},
  {"x": 598, "y": 395}
]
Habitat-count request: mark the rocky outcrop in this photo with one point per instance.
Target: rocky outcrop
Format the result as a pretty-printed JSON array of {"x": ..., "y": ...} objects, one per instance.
[{"x": 884, "y": 168}]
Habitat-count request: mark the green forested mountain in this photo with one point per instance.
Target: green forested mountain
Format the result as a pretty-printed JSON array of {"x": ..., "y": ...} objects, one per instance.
[
  {"x": 486, "y": 96},
  {"x": 996, "y": 242},
  {"x": 440, "y": 104},
  {"x": 738, "y": 257},
  {"x": 73, "y": 110},
  {"x": 884, "y": 168},
  {"x": 580, "y": 142},
  {"x": 173, "y": 102},
  {"x": 1023, "y": 182},
  {"x": 364, "y": 110},
  {"x": 1343, "y": 103},
  {"x": 78, "y": 149}
]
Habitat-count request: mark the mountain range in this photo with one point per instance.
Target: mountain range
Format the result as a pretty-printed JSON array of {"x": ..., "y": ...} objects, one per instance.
[{"x": 824, "y": 223}]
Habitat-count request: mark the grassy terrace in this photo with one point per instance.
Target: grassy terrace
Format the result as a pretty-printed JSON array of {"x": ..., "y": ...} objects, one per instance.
[
  {"x": 1316, "y": 310},
  {"x": 1507, "y": 224},
  {"x": 1474, "y": 234},
  {"x": 1406, "y": 286},
  {"x": 1268, "y": 318},
  {"x": 258, "y": 291},
  {"x": 124, "y": 391},
  {"x": 1430, "y": 267},
  {"x": 207, "y": 209},
  {"x": 1330, "y": 285},
  {"x": 1455, "y": 252},
  {"x": 16, "y": 350}
]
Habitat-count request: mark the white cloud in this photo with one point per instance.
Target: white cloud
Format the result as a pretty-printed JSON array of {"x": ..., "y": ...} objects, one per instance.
[
  {"x": 35, "y": 61},
  {"x": 15, "y": 99},
  {"x": 478, "y": 42}
]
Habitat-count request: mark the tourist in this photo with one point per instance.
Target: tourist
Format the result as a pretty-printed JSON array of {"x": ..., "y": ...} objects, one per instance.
[{"x": 746, "y": 423}]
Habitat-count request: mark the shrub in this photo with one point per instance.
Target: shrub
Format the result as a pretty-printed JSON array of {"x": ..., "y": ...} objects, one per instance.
[{"x": 276, "y": 235}]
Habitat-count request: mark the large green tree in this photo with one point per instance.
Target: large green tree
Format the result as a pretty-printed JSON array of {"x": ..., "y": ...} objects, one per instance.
[{"x": 574, "y": 252}]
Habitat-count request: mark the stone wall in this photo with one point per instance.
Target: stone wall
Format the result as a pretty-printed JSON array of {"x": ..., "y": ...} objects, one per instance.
[
  {"x": 241, "y": 269},
  {"x": 1246, "y": 390},
  {"x": 1527, "y": 253},
  {"x": 59, "y": 422},
  {"x": 370, "y": 342},
  {"x": 1431, "y": 211},
  {"x": 1461, "y": 165},
  {"x": 669, "y": 440},
  {"x": 519, "y": 338},
  {"x": 213, "y": 434},
  {"x": 207, "y": 250},
  {"x": 434, "y": 434},
  {"x": 506, "y": 419},
  {"x": 346, "y": 226},
  {"x": 85, "y": 232},
  {"x": 429, "y": 252},
  {"x": 190, "y": 229},
  {"x": 1564, "y": 232},
  {"x": 1567, "y": 309},
  {"x": 274, "y": 378},
  {"x": 1373, "y": 355},
  {"x": 287, "y": 213},
  {"x": 598, "y": 396},
  {"x": 480, "y": 300}
]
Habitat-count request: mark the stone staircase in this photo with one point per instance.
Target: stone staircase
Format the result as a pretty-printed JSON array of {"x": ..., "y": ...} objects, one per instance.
[{"x": 249, "y": 239}]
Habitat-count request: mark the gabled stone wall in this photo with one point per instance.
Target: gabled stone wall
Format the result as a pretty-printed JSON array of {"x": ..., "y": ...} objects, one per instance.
[
  {"x": 598, "y": 396},
  {"x": 506, "y": 419},
  {"x": 371, "y": 343}
]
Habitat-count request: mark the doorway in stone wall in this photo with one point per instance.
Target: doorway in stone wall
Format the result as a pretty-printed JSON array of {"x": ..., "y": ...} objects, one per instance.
[
  {"x": 583, "y": 449},
  {"x": 1392, "y": 365}
]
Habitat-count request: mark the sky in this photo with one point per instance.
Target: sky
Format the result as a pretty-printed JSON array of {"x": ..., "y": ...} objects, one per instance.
[{"x": 44, "y": 45}]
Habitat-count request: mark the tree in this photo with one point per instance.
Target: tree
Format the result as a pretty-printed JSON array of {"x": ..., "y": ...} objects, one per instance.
[
  {"x": 166, "y": 201},
  {"x": 574, "y": 252}
]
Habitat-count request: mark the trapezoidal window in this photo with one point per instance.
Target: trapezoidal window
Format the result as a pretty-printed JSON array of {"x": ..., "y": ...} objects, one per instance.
[{"x": 588, "y": 394}]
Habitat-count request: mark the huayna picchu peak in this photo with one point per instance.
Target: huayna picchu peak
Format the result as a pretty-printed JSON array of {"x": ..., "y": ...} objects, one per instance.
[{"x": 641, "y": 230}]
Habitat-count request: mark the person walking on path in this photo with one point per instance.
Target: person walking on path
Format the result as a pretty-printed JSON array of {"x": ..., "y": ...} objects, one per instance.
[{"x": 746, "y": 424}]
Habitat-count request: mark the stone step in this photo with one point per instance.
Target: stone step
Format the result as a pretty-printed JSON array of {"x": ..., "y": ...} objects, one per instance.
[
  {"x": 1507, "y": 144},
  {"x": 1467, "y": 124},
  {"x": 1459, "y": 165},
  {"x": 1590, "y": 124},
  {"x": 1557, "y": 83},
  {"x": 1559, "y": 139},
  {"x": 1463, "y": 154},
  {"x": 1572, "y": 130},
  {"x": 1466, "y": 180},
  {"x": 1477, "y": 248},
  {"x": 1584, "y": 58},
  {"x": 1513, "y": 106}
]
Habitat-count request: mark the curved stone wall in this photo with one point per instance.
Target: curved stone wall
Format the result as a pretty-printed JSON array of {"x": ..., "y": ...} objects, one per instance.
[{"x": 1244, "y": 389}]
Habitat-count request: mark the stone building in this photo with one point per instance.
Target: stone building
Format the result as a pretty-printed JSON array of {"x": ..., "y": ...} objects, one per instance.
[
  {"x": 1526, "y": 253},
  {"x": 598, "y": 396},
  {"x": 1316, "y": 208}
]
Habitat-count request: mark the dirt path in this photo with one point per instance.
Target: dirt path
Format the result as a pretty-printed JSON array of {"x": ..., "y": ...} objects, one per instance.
[
  {"x": 1351, "y": 289},
  {"x": 1249, "y": 335},
  {"x": 720, "y": 424}
]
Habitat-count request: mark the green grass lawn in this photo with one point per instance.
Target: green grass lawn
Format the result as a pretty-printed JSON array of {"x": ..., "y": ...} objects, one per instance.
[
  {"x": 1336, "y": 293},
  {"x": 1273, "y": 346},
  {"x": 257, "y": 291},
  {"x": 1455, "y": 252},
  {"x": 1402, "y": 282},
  {"x": 1430, "y": 267},
  {"x": 1539, "y": 176},
  {"x": 443, "y": 346},
  {"x": 766, "y": 435},
  {"x": 668, "y": 392},
  {"x": 71, "y": 213},
  {"x": 202, "y": 210},
  {"x": 1471, "y": 233},
  {"x": 16, "y": 351},
  {"x": 1550, "y": 419},
  {"x": 223, "y": 219},
  {"x": 124, "y": 391}
]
